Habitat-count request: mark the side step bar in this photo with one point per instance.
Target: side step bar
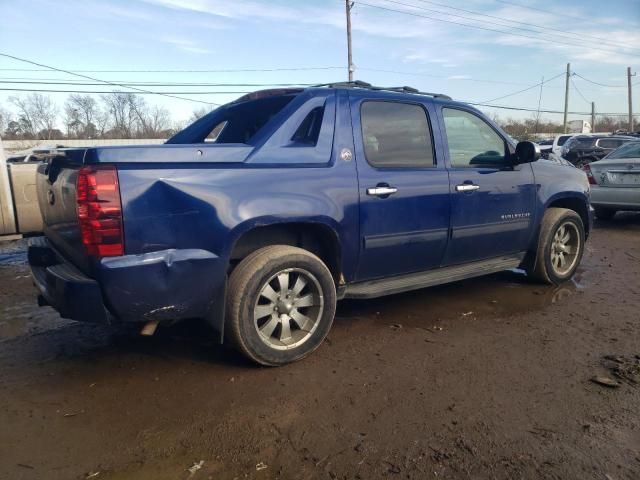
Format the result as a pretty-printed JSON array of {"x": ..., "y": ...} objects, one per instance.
[{"x": 415, "y": 281}]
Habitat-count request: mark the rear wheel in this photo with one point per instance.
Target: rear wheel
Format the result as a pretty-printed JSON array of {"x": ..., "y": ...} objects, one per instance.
[
  {"x": 560, "y": 246},
  {"x": 604, "y": 213},
  {"x": 281, "y": 302}
]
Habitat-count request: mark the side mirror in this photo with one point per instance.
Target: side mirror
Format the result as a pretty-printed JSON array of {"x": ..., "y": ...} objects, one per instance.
[{"x": 526, "y": 152}]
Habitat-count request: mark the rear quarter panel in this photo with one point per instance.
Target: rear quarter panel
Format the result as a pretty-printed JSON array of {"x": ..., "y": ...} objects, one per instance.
[{"x": 209, "y": 206}]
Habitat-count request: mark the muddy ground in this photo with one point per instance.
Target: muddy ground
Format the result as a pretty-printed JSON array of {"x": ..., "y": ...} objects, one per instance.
[{"x": 487, "y": 378}]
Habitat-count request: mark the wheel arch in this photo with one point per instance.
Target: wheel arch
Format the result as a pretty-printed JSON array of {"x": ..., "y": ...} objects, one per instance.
[
  {"x": 575, "y": 202},
  {"x": 317, "y": 237},
  {"x": 571, "y": 201}
]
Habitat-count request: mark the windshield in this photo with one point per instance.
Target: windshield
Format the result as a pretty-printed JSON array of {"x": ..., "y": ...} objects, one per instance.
[{"x": 628, "y": 150}]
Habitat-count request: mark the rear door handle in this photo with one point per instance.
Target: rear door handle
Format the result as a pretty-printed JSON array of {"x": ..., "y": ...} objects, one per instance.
[
  {"x": 467, "y": 187},
  {"x": 381, "y": 191}
]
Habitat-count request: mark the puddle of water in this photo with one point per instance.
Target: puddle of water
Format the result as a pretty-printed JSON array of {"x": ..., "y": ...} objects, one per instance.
[{"x": 13, "y": 253}]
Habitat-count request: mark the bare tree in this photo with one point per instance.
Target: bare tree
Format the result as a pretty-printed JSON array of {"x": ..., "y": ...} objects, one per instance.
[
  {"x": 26, "y": 122},
  {"x": 102, "y": 121},
  {"x": 72, "y": 121},
  {"x": 83, "y": 110},
  {"x": 4, "y": 120},
  {"x": 199, "y": 113},
  {"x": 37, "y": 114},
  {"x": 156, "y": 122},
  {"x": 121, "y": 107}
]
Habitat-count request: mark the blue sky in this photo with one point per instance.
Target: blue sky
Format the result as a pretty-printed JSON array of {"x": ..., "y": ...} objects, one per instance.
[{"x": 469, "y": 64}]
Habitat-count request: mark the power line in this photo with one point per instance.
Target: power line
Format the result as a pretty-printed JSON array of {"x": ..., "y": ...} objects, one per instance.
[
  {"x": 578, "y": 90},
  {"x": 481, "y": 104},
  {"x": 597, "y": 83},
  {"x": 524, "y": 89},
  {"x": 562, "y": 33},
  {"x": 523, "y": 109},
  {"x": 477, "y": 27},
  {"x": 155, "y": 84},
  {"x": 13, "y": 57},
  {"x": 141, "y": 92},
  {"x": 73, "y": 71},
  {"x": 414, "y": 74},
  {"x": 52, "y": 81},
  {"x": 535, "y": 9}
]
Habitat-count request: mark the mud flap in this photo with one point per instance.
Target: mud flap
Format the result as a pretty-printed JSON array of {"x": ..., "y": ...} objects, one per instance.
[{"x": 215, "y": 317}]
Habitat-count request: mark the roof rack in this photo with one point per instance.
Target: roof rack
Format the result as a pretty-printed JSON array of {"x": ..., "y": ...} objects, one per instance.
[{"x": 368, "y": 86}]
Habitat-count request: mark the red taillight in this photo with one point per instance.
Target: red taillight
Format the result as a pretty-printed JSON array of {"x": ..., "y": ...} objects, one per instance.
[
  {"x": 100, "y": 211},
  {"x": 587, "y": 170}
]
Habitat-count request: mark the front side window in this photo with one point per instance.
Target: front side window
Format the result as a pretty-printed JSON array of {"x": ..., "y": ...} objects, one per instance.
[
  {"x": 472, "y": 142},
  {"x": 396, "y": 135}
]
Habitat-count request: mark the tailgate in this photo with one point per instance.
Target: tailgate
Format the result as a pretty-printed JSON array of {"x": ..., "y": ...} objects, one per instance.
[{"x": 56, "y": 189}]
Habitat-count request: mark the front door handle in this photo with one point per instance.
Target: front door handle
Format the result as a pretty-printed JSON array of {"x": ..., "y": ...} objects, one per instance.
[
  {"x": 467, "y": 187},
  {"x": 381, "y": 191}
]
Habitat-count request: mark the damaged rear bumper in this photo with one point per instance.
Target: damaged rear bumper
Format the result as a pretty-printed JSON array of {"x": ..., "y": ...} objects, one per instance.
[
  {"x": 163, "y": 285},
  {"x": 64, "y": 287}
]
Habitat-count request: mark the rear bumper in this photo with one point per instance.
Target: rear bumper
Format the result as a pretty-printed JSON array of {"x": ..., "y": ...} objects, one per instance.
[
  {"x": 65, "y": 288},
  {"x": 164, "y": 285},
  {"x": 622, "y": 198}
]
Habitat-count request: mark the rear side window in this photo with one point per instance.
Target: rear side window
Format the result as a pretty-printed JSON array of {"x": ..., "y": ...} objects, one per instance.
[
  {"x": 610, "y": 142},
  {"x": 562, "y": 139},
  {"x": 396, "y": 135},
  {"x": 215, "y": 133},
  {"x": 472, "y": 141},
  {"x": 309, "y": 130}
]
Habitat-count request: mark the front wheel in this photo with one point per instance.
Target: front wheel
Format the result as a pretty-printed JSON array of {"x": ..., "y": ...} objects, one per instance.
[
  {"x": 281, "y": 301},
  {"x": 560, "y": 246}
]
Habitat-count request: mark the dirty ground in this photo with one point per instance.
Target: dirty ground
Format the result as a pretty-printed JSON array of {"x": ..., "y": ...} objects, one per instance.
[{"x": 487, "y": 378}]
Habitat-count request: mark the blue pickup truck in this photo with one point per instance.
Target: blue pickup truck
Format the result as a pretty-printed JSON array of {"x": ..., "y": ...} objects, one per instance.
[{"x": 262, "y": 214}]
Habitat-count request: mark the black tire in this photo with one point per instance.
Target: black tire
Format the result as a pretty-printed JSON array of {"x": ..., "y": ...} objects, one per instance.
[
  {"x": 547, "y": 268},
  {"x": 244, "y": 296},
  {"x": 604, "y": 213}
]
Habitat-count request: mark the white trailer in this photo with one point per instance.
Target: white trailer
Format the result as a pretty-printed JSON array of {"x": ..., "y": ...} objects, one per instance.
[
  {"x": 579, "y": 126},
  {"x": 19, "y": 210}
]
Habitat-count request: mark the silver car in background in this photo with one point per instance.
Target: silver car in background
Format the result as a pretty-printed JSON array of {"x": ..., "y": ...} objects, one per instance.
[{"x": 615, "y": 181}]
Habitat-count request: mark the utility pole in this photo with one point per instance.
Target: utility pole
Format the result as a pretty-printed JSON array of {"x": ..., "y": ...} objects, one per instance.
[
  {"x": 566, "y": 98},
  {"x": 630, "y": 105},
  {"x": 349, "y": 5},
  {"x": 539, "y": 103},
  {"x": 593, "y": 117}
]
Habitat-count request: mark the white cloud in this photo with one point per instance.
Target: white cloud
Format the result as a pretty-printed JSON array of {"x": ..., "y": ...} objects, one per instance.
[{"x": 185, "y": 45}]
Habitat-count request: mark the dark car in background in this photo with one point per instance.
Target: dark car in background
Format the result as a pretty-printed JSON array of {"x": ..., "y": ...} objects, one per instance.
[{"x": 583, "y": 149}]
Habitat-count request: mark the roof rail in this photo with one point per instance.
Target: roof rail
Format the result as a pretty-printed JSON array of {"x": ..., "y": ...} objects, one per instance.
[{"x": 368, "y": 86}]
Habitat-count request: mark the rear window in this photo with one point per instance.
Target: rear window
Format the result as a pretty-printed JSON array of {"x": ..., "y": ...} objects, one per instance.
[
  {"x": 233, "y": 123},
  {"x": 629, "y": 150},
  {"x": 562, "y": 139}
]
